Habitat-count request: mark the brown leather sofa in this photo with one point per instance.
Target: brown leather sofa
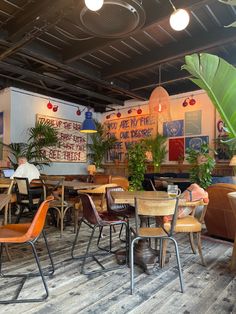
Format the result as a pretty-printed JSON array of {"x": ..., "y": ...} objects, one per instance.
[{"x": 220, "y": 220}]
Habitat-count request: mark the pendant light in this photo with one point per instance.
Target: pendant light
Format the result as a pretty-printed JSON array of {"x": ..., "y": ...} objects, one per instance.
[
  {"x": 88, "y": 126},
  {"x": 94, "y": 5},
  {"x": 179, "y": 19}
]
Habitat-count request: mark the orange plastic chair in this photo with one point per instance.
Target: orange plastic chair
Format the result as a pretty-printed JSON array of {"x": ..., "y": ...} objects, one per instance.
[{"x": 27, "y": 233}]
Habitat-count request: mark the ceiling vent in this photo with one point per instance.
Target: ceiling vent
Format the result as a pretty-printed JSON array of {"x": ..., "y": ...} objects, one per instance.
[{"x": 116, "y": 18}]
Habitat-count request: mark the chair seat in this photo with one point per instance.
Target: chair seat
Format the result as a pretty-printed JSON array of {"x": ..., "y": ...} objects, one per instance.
[
  {"x": 186, "y": 224},
  {"x": 151, "y": 232},
  {"x": 13, "y": 233},
  {"x": 58, "y": 203},
  {"x": 109, "y": 218}
]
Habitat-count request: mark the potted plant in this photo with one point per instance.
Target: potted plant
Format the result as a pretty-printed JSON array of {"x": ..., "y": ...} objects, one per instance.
[
  {"x": 41, "y": 136},
  {"x": 136, "y": 165},
  {"x": 100, "y": 144},
  {"x": 202, "y": 165},
  {"x": 157, "y": 147}
]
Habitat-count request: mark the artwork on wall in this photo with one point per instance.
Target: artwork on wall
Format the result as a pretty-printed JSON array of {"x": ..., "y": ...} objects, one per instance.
[
  {"x": 173, "y": 128},
  {"x": 222, "y": 149},
  {"x": 1, "y": 123},
  {"x": 193, "y": 122},
  {"x": 176, "y": 148},
  {"x": 72, "y": 145},
  {"x": 128, "y": 131},
  {"x": 196, "y": 142}
]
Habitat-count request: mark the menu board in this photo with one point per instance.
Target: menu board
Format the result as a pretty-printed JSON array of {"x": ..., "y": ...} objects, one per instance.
[
  {"x": 72, "y": 145},
  {"x": 128, "y": 131}
]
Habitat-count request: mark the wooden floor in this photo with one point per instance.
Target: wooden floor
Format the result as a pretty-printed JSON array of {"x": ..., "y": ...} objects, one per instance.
[{"x": 208, "y": 290}]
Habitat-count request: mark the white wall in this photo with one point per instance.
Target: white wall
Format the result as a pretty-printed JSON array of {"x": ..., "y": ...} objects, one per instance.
[{"x": 24, "y": 107}]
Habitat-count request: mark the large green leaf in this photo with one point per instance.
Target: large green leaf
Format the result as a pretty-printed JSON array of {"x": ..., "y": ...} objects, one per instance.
[{"x": 218, "y": 78}]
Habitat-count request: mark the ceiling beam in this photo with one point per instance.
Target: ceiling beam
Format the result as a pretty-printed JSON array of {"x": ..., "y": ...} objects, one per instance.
[
  {"x": 50, "y": 80},
  {"x": 37, "y": 14},
  {"x": 173, "y": 51},
  {"x": 157, "y": 14}
]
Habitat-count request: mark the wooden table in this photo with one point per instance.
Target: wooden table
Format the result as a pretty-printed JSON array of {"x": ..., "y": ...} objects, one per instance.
[
  {"x": 127, "y": 197},
  {"x": 75, "y": 185},
  {"x": 5, "y": 183}
]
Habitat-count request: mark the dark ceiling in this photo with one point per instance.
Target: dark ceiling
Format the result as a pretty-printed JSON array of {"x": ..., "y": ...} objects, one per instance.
[{"x": 60, "y": 49}]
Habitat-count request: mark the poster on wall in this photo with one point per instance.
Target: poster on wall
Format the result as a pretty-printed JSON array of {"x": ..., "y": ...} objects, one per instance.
[
  {"x": 176, "y": 149},
  {"x": 173, "y": 128},
  {"x": 1, "y": 123},
  {"x": 72, "y": 145},
  {"x": 193, "y": 122},
  {"x": 196, "y": 142},
  {"x": 128, "y": 131},
  {"x": 222, "y": 149}
]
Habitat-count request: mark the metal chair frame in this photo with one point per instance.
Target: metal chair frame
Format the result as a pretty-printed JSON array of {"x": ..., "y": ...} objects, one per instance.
[{"x": 100, "y": 223}]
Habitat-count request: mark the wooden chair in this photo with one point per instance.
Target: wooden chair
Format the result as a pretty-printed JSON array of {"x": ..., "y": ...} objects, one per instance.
[
  {"x": 232, "y": 200},
  {"x": 191, "y": 225},
  {"x": 154, "y": 208},
  {"x": 102, "y": 178},
  {"x": 24, "y": 197},
  {"x": 28, "y": 234},
  {"x": 98, "y": 195},
  {"x": 94, "y": 220},
  {"x": 54, "y": 185}
]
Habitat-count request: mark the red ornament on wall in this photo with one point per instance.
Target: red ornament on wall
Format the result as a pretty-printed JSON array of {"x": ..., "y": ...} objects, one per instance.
[
  {"x": 55, "y": 108},
  {"x": 78, "y": 112},
  {"x": 118, "y": 115},
  {"x": 139, "y": 111},
  {"x": 49, "y": 105}
]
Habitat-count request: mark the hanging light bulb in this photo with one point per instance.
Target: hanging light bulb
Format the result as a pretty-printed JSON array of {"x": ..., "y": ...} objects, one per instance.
[
  {"x": 55, "y": 108},
  {"x": 94, "y": 5},
  {"x": 118, "y": 115},
  {"x": 78, "y": 112},
  {"x": 139, "y": 111},
  {"x": 179, "y": 19},
  {"x": 159, "y": 107},
  {"x": 129, "y": 111}
]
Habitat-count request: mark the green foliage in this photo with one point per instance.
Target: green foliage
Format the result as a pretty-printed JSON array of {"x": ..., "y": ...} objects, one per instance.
[
  {"x": 41, "y": 136},
  {"x": 157, "y": 146},
  {"x": 218, "y": 78},
  {"x": 136, "y": 165},
  {"x": 202, "y": 165},
  {"x": 100, "y": 144}
]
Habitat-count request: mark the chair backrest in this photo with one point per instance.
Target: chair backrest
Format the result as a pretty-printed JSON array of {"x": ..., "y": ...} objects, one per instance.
[
  {"x": 38, "y": 222},
  {"x": 102, "y": 178},
  {"x": 53, "y": 184},
  {"x": 156, "y": 208},
  {"x": 89, "y": 210},
  {"x": 22, "y": 186},
  {"x": 121, "y": 181},
  {"x": 110, "y": 202}
]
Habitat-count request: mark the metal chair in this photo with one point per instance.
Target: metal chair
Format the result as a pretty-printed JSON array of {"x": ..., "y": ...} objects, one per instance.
[
  {"x": 26, "y": 197},
  {"x": 28, "y": 234},
  {"x": 154, "y": 208},
  {"x": 93, "y": 220}
]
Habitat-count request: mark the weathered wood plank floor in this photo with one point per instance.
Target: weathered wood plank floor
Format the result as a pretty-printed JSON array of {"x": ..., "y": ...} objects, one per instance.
[{"x": 210, "y": 289}]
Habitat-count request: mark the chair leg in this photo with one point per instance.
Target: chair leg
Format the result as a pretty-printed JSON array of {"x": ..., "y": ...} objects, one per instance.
[
  {"x": 100, "y": 235},
  {"x": 49, "y": 253},
  {"x": 76, "y": 238},
  {"x": 132, "y": 264},
  {"x": 199, "y": 245},
  {"x": 163, "y": 252},
  {"x": 179, "y": 265},
  {"x": 191, "y": 239},
  {"x": 87, "y": 250}
]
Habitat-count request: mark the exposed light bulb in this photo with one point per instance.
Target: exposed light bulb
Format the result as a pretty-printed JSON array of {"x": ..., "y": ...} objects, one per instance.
[
  {"x": 179, "y": 19},
  {"x": 94, "y": 5},
  {"x": 159, "y": 107}
]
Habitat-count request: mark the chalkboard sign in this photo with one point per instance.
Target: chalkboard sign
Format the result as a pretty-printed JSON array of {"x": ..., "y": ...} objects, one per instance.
[
  {"x": 128, "y": 131},
  {"x": 72, "y": 145}
]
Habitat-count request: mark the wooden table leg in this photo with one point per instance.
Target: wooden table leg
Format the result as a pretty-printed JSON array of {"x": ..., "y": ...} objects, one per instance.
[{"x": 233, "y": 259}]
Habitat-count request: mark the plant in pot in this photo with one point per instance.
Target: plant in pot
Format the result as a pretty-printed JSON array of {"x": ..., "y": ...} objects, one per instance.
[
  {"x": 136, "y": 165},
  {"x": 41, "y": 136},
  {"x": 157, "y": 147},
  {"x": 202, "y": 165},
  {"x": 100, "y": 144}
]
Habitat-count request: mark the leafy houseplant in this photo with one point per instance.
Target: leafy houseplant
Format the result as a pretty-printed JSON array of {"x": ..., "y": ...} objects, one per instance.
[
  {"x": 136, "y": 165},
  {"x": 202, "y": 165},
  {"x": 157, "y": 146},
  {"x": 100, "y": 144},
  {"x": 218, "y": 78},
  {"x": 42, "y": 135}
]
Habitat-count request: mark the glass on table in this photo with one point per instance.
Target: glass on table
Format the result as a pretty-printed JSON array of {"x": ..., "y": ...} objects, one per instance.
[{"x": 172, "y": 190}]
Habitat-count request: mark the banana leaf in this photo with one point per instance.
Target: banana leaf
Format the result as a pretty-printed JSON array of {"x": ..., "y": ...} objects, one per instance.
[{"x": 218, "y": 78}]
